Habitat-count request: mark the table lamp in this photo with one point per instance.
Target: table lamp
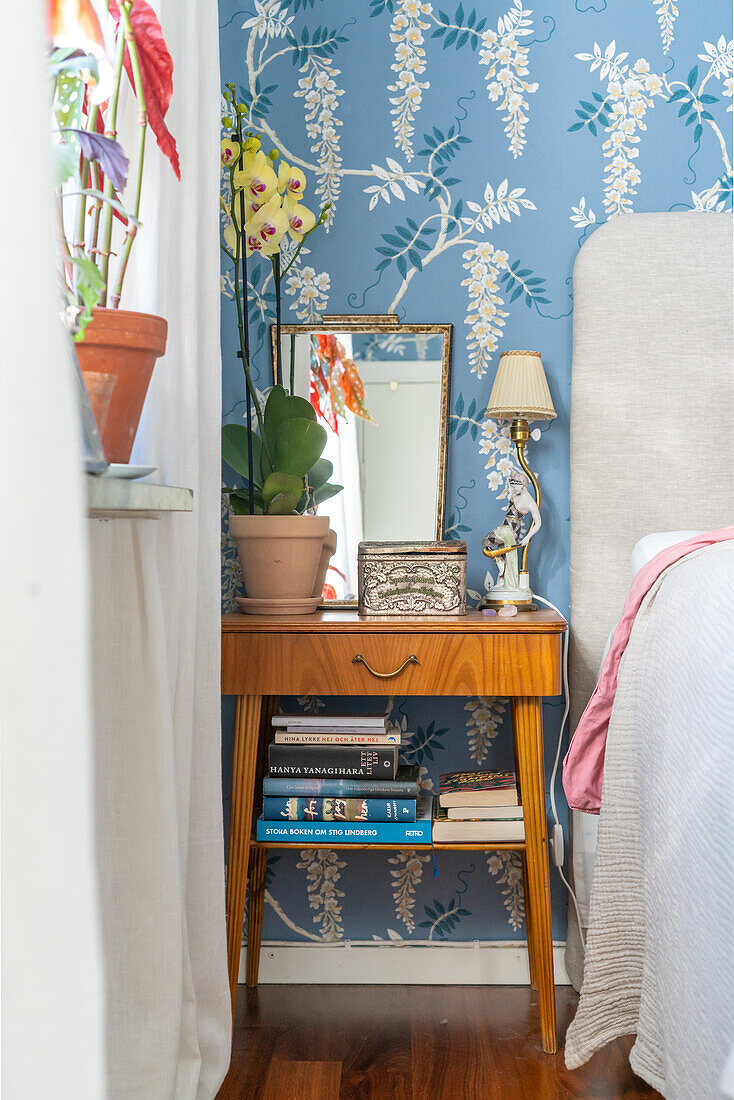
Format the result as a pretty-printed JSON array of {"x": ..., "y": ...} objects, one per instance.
[{"x": 520, "y": 393}]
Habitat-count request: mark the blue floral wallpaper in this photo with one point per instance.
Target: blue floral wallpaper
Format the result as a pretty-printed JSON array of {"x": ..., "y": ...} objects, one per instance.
[{"x": 467, "y": 150}]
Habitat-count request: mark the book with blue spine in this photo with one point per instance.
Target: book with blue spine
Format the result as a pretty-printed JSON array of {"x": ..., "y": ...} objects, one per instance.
[
  {"x": 351, "y": 832},
  {"x": 339, "y": 809},
  {"x": 404, "y": 785}
]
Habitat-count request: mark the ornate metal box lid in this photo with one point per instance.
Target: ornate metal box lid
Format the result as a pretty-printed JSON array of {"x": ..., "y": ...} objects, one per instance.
[{"x": 382, "y": 549}]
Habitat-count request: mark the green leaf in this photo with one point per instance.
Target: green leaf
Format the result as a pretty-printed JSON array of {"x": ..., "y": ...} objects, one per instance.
[
  {"x": 298, "y": 445},
  {"x": 281, "y": 484},
  {"x": 283, "y": 505},
  {"x": 326, "y": 492},
  {"x": 240, "y": 501},
  {"x": 280, "y": 407},
  {"x": 66, "y": 159},
  {"x": 234, "y": 451},
  {"x": 320, "y": 473}
]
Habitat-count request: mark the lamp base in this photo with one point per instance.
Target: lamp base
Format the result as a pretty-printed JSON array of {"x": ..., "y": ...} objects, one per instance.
[{"x": 519, "y": 596}]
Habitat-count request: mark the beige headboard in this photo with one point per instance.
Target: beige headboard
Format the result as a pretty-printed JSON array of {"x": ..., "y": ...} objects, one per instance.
[{"x": 652, "y": 406}]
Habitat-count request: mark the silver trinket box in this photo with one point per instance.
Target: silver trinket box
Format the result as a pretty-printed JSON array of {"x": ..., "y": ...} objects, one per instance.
[{"x": 412, "y": 578}]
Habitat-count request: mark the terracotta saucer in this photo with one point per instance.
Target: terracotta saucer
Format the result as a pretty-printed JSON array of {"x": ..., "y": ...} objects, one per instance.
[{"x": 252, "y": 606}]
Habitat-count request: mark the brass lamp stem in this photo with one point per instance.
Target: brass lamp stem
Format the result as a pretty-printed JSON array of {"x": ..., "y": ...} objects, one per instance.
[{"x": 520, "y": 433}]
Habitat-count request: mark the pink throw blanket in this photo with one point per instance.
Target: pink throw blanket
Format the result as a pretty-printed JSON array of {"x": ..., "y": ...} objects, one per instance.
[{"x": 583, "y": 767}]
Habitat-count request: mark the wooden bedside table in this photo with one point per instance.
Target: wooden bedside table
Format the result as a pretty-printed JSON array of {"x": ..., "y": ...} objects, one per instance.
[{"x": 264, "y": 657}]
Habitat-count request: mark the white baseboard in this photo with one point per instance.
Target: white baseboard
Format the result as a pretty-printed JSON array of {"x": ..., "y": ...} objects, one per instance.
[{"x": 382, "y": 963}]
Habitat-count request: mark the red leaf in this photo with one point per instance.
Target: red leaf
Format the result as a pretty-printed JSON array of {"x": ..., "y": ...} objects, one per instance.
[{"x": 156, "y": 72}]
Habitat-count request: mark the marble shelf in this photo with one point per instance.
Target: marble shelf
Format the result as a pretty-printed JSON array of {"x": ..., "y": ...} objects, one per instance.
[{"x": 122, "y": 498}]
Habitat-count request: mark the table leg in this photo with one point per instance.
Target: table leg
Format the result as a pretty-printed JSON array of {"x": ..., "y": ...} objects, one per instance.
[
  {"x": 527, "y": 719},
  {"x": 258, "y": 866},
  {"x": 529, "y": 931},
  {"x": 246, "y": 737}
]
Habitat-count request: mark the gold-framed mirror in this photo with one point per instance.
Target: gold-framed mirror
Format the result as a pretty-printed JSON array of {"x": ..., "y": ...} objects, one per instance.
[{"x": 381, "y": 390}]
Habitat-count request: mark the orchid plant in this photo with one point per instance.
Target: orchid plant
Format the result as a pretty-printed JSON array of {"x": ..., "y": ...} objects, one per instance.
[
  {"x": 281, "y": 463},
  {"x": 86, "y": 63}
]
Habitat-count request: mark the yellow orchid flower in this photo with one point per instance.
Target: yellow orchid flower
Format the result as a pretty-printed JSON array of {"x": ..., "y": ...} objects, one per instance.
[
  {"x": 300, "y": 219},
  {"x": 252, "y": 144},
  {"x": 256, "y": 177},
  {"x": 291, "y": 181},
  {"x": 265, "y": 229},
  {"x": 230, "y": 151}
]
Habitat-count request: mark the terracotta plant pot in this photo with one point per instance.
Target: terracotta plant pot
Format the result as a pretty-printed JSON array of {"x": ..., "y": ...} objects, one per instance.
[
  {"x": 99, "y": 389},
  {"x": 126, "y": 345},
  {"x": 327, "y": 552},
  {"x": 279, "y": 555}
]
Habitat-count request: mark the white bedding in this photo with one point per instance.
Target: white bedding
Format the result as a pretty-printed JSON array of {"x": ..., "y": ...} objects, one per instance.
[{"x": 660, "y": 949}]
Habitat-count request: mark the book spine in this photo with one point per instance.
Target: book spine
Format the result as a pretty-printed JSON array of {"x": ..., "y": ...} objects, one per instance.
[
  {"x": 339, "y": 809},
  {"x": 334, "y": 832},
  {"x": 327, "y": 737},
  {"x": 309, "y": 721},
  {"x": 283, "y": 787},
  {"x": 350, "y": 761}
]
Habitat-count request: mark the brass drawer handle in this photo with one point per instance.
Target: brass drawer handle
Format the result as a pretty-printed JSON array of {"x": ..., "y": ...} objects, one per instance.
[{"x": 359, "y": 659}]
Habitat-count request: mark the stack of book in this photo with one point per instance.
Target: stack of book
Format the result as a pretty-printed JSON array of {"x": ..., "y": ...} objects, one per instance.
[
  {"x": 337, "y": 780},
  {"x": 479, "y": 806}
]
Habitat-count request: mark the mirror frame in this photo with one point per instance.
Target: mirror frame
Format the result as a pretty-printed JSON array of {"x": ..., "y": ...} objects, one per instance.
[{"x": 388, "y": 324}]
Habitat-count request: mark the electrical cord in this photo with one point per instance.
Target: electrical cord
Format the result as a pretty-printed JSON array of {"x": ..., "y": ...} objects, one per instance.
[{"x": 557, "y": 846}]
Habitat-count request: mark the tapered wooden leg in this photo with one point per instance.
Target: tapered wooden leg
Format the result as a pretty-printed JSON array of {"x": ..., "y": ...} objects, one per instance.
[
  {"x": 529, "y": 931},
  {"x": 258, "y": 866},
  {"x": 527, "y": 719},
  {"x": 246, "y": 736}
]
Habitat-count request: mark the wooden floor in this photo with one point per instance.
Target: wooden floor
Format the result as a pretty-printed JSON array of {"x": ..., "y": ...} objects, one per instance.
[{"x": 369, "y": 1042}]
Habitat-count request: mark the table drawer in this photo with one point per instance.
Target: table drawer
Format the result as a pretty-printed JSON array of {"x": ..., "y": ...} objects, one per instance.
[{"x": 390, "y": 664}]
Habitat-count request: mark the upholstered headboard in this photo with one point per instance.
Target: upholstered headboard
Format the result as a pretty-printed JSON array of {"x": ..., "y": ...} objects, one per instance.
[{"x": 652, "y": 407}]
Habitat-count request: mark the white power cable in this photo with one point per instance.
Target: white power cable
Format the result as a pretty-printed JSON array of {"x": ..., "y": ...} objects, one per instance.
[{"x": 557, "y": 839}]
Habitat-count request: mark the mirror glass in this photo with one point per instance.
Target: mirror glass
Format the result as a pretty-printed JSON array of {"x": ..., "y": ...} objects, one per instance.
[{"x": 382, "y": 397}]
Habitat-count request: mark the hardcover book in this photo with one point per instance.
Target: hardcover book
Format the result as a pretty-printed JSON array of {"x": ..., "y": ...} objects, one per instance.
[
  {"x": 486, "y": 813},
  {"x": 501, "y": 832},
  {"x": 323, "y": 736},
  {"x": 373, "y": 721},
  {"x": 339, "y": 809},
  {"x": 350, "y": 761},
  {"x": 478, "y": 788},
  {"x": 404, "y": 785},
  {"x": 351, "y": 832}
]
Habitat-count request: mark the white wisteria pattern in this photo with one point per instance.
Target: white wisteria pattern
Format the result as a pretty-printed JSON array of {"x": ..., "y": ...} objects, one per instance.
[
  {"x": 482, "y": 726},
  {"x": 460, "y": 191},
  {"x": 631, "y": 91},
  {"x": 406, "y": 873},
  {"x": 507, "y": 66},
  {"x": 507, "y": 868},
  {"x": 323, "y": 870},
  {"x": 406, "y": 32},
  {"x": 667, "y": 15}
]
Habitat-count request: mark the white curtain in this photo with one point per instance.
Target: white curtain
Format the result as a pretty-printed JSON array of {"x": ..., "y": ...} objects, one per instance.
[
  {"x": 52, "y": 1008},
  {"x": 156, "y": 636}
]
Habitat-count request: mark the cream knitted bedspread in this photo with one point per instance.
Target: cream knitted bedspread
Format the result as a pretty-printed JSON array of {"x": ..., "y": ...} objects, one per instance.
[{"x": 660, "y": 949}]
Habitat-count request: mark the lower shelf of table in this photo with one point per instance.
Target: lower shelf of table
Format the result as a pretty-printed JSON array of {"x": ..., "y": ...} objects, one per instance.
[{"x": 439, "y": 846}]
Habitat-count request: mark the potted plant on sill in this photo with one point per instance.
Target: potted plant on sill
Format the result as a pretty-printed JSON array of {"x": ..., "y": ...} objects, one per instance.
[
  {"x": 284, "y": 548},
  {"x": 116, "y": 349}
]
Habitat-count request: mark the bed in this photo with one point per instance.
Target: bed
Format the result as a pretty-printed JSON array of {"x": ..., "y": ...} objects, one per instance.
[{"x": 652, "y": 451}]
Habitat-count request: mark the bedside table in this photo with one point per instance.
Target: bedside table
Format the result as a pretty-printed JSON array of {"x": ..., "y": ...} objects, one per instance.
[{"x": 264, "y": 657}]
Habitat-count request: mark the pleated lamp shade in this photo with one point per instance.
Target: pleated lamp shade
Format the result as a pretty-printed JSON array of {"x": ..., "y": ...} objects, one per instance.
[{"x": 520, "y": 388}]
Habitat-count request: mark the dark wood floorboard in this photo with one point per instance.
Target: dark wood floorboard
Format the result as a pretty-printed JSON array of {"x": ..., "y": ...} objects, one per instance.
[{"x": 369, "y": 1042}]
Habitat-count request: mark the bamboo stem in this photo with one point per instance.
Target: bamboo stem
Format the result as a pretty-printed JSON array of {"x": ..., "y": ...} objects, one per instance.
[
  {"x": 277, "y": 372},
  {"x": 81, "y": 211},
  {"x": 143, "y": 121},
  {"x": 111, "y": 131},
  {"x": 246, "y": 329}
]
